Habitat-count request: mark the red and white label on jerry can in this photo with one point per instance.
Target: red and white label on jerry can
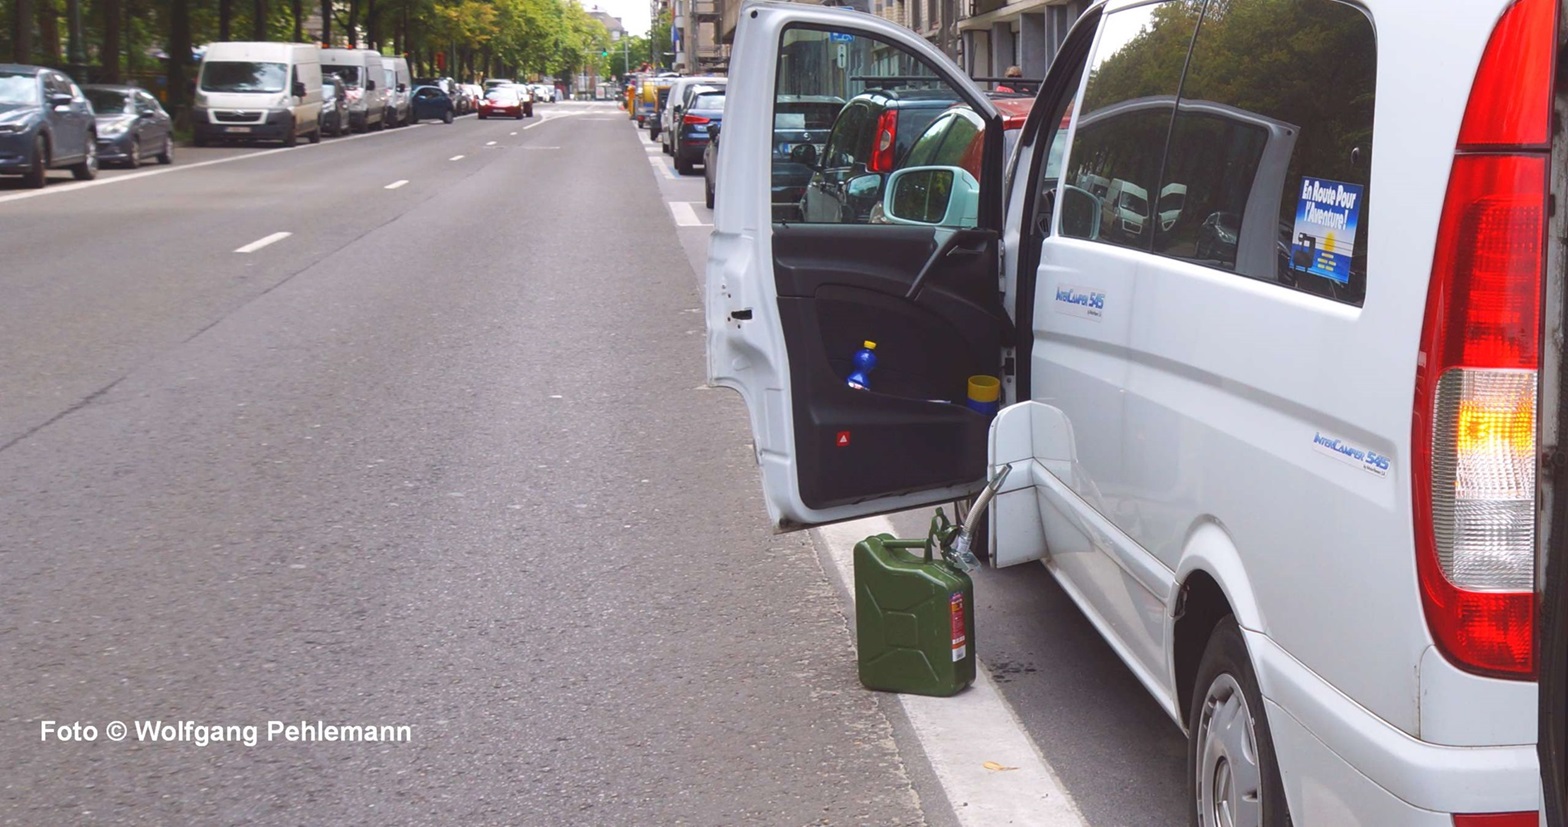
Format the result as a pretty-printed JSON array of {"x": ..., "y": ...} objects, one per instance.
[{"x": 955, "y": 606}]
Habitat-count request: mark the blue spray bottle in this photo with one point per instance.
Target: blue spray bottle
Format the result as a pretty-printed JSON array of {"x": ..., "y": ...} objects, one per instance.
[{"x": 864, "y": 360}]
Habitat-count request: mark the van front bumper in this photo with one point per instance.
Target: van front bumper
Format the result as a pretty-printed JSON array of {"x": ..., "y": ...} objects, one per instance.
[
  {"x": 1342, "y": 765},
  {"x": 242, "y": 124}
]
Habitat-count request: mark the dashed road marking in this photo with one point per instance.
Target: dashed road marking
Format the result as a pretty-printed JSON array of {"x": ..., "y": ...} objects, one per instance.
[
  {"x": 686, "y": 215},
  {"x": 457, "y": 157},
  {"x": 395, "y": 184},
  {"x": 962, "y": 734},
  {"x": 491, "y": 143},
  {"x": 262, "y": 242}
]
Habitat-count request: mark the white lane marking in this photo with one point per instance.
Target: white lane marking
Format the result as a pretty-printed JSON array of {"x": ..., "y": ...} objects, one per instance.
[
  {"x": 663, "y": 168},
  {"x": 491, "y": 143},
  {"x": 514, "y": 133},
  {"x": 395, "y": 184},
  {"x": 56, "y": 189},
  {"x": 262, "y": 242},
  {"x": 960, "y": 734},
  {"x": 685, "y": 215},
  {"x": 457, "y": 157}
]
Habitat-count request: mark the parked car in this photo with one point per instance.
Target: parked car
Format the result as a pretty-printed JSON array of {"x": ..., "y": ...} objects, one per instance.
[
  {"x": 365, "y": 79},
  {"x": 132, "y": 126},
  {"x": 706, "y": 109},
  {"x": 1310, "y": 500},
  {"x": 258, "y": 92},
  {"x": 45, "y": 123},
  {"x": 799, "y": 121},
  {"x": 431, "y": 102},
  {"x": 334, "y": 105},
  {"x": 501, "y": 101},
  {"x": 472, "y": 94},
  {"x": 676, "y": 102},
  {"x": 868, "y": 139}
]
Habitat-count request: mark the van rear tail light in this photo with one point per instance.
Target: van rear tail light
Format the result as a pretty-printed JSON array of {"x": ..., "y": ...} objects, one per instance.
[
  {"x": 882, "y": 144},
  {"x": 1509, "y": 99},
  {"x": 1475, "y": 418},
  {"x": 1530, "y": 819}
]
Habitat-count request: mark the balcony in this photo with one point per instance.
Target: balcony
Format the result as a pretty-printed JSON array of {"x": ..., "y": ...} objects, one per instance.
[{"x": 707, "y": 9}]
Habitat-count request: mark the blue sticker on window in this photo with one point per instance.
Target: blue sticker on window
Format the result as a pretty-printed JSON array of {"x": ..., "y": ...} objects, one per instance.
[{"x": 1324, "y": 238}]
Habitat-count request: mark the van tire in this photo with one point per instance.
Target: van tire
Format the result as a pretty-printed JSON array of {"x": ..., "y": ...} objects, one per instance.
[
  {"x": 315, "y": 134},
  {"x": 1226, "y": 722},
  {"x": 290, "y": 137}
]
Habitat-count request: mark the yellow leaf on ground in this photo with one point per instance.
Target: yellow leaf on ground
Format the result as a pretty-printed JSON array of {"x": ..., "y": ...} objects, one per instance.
[{"x": 995, "y": 767}]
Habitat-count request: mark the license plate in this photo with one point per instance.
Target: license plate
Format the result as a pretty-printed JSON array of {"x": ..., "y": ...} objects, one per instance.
[{"x": 236, "y": 129}]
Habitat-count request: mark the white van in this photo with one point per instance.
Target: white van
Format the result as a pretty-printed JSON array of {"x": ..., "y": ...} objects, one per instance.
[
  {"x": 365, "y": 82},
  {"x": 1280, "y": 446},
  {"x": 258, "y": 91},
  {"x": 400, "y": 101}
]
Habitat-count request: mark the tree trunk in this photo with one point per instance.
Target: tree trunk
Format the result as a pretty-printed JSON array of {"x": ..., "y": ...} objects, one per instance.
[
  {"x": 372, "y": 31},
  {"x": 326, "y": 23},
  {"x": 225, "y": 20},
  {"x": 353, "y": 24},
  {"x": 22, "y": 31},
  {"x": 258, "y": 20},
  {"x": 299, "y": 21},
  {"x": 109, "y": 56},
  {"x": 49, "y": 31},
  {"x": 179, "y": 56}
]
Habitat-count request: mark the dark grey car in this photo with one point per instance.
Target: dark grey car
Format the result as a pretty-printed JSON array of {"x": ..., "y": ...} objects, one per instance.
[
  {"x": 45, "y": 123},
  {"x": 132, "y": 126}
]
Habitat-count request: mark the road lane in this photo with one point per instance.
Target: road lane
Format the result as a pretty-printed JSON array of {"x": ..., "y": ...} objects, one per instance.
[{"x": 457, "y": 471}]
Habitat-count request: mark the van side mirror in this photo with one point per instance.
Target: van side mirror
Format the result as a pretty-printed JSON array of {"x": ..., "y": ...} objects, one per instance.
[
  {"x": 1080, "y": 213},
  {"x": 370, "y": 86},
  {"x": 402, "y": 87},
  {"x": 932, "y": 196},
  {"x": 299, "y": 89},
  {"x": 803, "y": 154}
]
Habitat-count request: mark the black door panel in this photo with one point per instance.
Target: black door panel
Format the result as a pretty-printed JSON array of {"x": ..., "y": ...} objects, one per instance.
[{"x": 840, "y": 286}]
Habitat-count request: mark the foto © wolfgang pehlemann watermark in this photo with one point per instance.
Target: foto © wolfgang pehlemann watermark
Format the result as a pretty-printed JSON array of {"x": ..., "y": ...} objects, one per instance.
[{"x": 201, "y": 735}]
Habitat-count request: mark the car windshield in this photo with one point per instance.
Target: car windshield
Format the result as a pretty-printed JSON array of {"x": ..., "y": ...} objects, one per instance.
[
  {"x": 501, "y": 95},
  {"x": 243, "y": 76},
  {"x": 1172, "y": 201},
  {"x": 108, "y": 101},
  {"x": 349, "y": 74},
  {"x": 805, "y": 114},
  {"x": 18, "y": 89},
  {"x": 709, "y": 101},
  {"x": 1135, "y": 203}
]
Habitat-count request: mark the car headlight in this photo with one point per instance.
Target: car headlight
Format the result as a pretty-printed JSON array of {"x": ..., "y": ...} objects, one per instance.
[
  {"x": 113, "y": 129},
  {"x": 12, "y": 128}
]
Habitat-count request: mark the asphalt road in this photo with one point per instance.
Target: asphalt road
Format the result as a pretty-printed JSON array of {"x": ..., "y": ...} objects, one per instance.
[{"x": 441, "y": 457}]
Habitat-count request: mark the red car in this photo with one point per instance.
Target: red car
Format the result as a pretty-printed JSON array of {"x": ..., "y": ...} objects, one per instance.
[{"x": 502, "y": 100}]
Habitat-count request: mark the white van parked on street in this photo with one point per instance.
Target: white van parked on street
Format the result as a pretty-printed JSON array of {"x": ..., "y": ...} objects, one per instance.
[
  {"x": 400, "y": 100},
  {"x": 258, "y": 91},
  {"x": 1280, "y": 445},
  {"x": 365, "y": 84}
]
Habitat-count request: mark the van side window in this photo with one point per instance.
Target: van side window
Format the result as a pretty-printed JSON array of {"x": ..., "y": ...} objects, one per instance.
[
  {"x": 1125, "y": 118},
  {"x": 1269, "y": 163}
]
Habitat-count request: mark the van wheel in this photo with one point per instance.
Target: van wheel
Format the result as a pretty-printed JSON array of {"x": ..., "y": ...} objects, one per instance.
[
  {"x": 38, "y": 174},
  {"x": 290, "y": 137},
  {"x": 315, "y": 134},
  {"x": 1231, "y": 766},
  {"x": 87, "y": 170}
]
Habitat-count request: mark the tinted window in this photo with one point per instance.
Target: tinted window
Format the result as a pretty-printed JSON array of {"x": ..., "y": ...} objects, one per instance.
[
  {"x": 1274, "y": 141},
  {"x": 108, "y": 101},
  {"x": 349, "y": 74},
  {"x": 1126, "y": 115},
  {"x": 242, "y": 76},
  {"x": 711, "y": 101},
  {"x": 952, "y": 140}
]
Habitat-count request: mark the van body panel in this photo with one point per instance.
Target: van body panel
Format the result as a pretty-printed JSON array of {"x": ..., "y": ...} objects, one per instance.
[
  {"x": 273, "y": 112},
  {"x": 366, "y": 107}
]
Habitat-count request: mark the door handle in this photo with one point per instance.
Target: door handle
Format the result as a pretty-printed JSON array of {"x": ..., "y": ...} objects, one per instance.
[{"x": 949, "y": 242}]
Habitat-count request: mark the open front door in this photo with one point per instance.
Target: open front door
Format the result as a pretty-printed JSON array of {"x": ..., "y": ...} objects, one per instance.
[{"x": 849, "y": 210}]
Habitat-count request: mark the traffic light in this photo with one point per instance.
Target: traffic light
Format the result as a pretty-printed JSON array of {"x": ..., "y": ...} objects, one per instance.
[{"x": 604, "y": 53}]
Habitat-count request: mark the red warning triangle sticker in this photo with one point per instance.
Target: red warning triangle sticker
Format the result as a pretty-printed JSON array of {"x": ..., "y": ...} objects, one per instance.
[{"x": 843, "y": 439}]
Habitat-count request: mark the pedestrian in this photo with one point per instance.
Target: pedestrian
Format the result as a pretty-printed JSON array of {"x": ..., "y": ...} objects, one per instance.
[{"x": 1015, "y": 86}]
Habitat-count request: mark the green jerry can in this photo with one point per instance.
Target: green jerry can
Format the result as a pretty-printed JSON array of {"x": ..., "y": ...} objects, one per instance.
[{"x": 914, "y": 616}]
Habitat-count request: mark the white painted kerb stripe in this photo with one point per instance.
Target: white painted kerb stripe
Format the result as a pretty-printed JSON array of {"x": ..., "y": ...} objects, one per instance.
[
  {"x": 262, "y": 242},
  {"x": 663, "y": 168},
  {"x": 395, "y": 184},
  {"x": 685, "y": 215},
  {"x": 960, "y": 734}
]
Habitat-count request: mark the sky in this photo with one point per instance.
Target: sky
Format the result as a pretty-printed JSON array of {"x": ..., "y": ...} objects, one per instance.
[{"x": 633, "y": 13}]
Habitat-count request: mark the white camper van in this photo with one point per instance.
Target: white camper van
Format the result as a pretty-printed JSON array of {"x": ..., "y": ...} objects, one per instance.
[
  {"x": 258, "y": 91},
  {"x": 364, "y": 82}
]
